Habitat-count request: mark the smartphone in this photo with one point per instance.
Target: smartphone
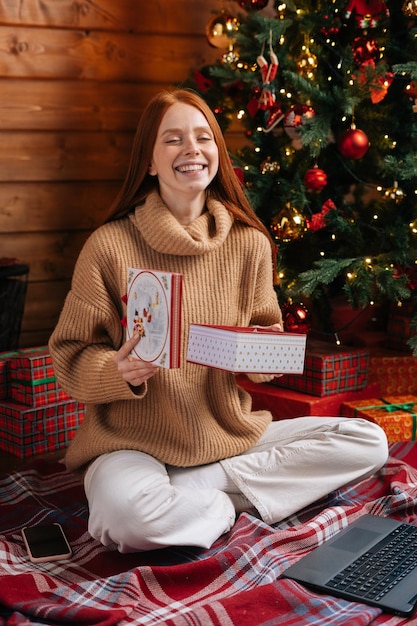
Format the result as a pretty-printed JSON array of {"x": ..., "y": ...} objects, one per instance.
[{"x": 46, "y": 543}]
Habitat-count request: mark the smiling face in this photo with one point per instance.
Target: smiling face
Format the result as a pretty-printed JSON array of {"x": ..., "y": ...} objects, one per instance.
[{"x": 185, "y": 156}]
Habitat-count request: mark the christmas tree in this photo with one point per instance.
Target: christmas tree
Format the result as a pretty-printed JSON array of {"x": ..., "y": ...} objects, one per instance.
[{"x": 326, "y": 93}]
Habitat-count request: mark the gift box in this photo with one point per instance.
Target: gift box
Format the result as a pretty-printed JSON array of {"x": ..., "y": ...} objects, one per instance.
[
  {"x": 28, "y": 431},
  {"x": 287, "y": 403},
  {"x": 5, "y": 359},
  {"x": 397, "y": 415},
  {"x": 31, "y": 379},
  {"x": 4, "y": 362},
  {"x": 395, "y": 371},
  {"x": 255, "y": 350},
  {"x": 329, "y": 369}
]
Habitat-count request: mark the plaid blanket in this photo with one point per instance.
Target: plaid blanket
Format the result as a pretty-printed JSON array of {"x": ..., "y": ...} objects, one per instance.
[{"x": 235, "y": 583}]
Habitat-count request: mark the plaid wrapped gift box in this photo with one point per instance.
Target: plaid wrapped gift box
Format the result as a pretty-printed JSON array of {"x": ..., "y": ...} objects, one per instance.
[
  {"x": 31, "y": 379},
  {"x": 28, "y": 431},
  {"x": 397, "y": 415},
  {"x": 4, "y": 362},
  {"x": 329, "y": 369},
  {"x": 5, "y": 358}
]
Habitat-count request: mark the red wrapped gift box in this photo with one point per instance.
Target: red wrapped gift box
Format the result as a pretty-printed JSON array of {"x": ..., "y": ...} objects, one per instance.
[
  {"x": 31, "y": 379},
  {"x": 395, "y": 371},
  {"x": 28, "y": 431},
  {"x": 287, "y": 403},
  {"x": 4, "y": 362},
  {"x": 329, "y": 369},
  {"x": 397, "y": 415},
  {"x": 5, "y": 358}
]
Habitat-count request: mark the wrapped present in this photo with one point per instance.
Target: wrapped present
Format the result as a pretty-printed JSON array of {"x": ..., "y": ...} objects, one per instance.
[
  {"x": 4, "y": 362},
  {"x": 28, "y": 431},
  {"x": 31, "y": 379},
  {"x": 5, "y": 359},
  {"x": 252, "y": 349},
  {"x": 397, "y": 415},
  {"x": 329, "y": 369},
  {"x": 395, "y": 371},
  {"x": 287, "y": 403}
]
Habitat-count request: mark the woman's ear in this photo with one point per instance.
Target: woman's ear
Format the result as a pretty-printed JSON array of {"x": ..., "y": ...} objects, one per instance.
[{"x": 151, "y": 170}]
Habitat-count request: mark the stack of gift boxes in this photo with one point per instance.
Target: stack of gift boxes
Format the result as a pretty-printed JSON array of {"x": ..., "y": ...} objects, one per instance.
[
  {"x": 36, "y": 415},
  {"x": 373, "y": 382}
]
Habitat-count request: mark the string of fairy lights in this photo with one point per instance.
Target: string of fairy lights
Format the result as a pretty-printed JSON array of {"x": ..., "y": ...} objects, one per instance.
[{"x": 221, "y": 32}]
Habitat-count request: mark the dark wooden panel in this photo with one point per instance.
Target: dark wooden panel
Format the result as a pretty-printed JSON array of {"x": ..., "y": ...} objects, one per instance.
[
  {"x": 102, "y": 56},
  {"x": 40, "y": 156},
  {"x": 27, "y": 104},
  {"x": 45, "y": 206},
  {"x": 43, "y": 305},
  {"x": 33, "y": 339},
  {"x": 50, "y": 256},
  {"x": 158, "y": 16}
]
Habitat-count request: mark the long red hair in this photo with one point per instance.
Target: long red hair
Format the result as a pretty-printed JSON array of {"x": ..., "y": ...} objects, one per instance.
[{"x": 225, "y": 186}]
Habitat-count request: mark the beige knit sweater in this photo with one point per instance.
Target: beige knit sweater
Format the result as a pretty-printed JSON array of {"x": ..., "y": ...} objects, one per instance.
[{"x": 187, "y": 416}]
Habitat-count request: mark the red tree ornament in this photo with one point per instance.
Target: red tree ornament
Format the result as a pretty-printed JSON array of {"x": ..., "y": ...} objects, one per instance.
[
  {"x": 353, "y": 143},
  {"x": 296, "y": 318},
  {"x": 318, "y": 220},
  {"x": 295, "y": 117},
  {"x": 365, "y": 50},
  {"x": 253, "y": 5},
  {"x": 267, "y": 98},
  {"x": 367, "y": 12},
  {"x": 315, "y": 179}
]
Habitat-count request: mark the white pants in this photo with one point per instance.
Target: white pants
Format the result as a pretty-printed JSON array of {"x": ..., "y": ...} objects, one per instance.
[{"x": 138, "y": 503}]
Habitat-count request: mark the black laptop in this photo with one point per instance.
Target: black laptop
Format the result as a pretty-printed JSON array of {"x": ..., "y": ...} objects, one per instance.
[{"x": 373, "y": 561}]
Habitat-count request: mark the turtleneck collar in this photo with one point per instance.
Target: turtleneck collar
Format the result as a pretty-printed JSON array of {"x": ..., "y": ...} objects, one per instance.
[{"x": 162, "y": 231}]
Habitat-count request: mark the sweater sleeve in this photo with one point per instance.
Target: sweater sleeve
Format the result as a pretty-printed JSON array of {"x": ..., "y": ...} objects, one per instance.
[
  {"x": 89, "y": 332},
  {"x": 265, "y": 307}
]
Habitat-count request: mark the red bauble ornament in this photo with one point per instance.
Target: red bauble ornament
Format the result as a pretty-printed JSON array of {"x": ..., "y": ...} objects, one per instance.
[
  {"x": 253, "y": 5},
  {"x": 296, "y": 318},
  {"x": 353, "y": 143},
  {"x": 315, "y": 179}
]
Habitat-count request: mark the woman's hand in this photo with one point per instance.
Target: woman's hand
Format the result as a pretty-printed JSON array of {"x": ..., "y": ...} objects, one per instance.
[
  {"x": 266, "y": 378},
  {"x": 133, "y": 371},
  {"x": 278, "y": 327}
]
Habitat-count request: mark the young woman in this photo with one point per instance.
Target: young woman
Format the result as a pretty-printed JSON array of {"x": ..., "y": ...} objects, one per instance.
[{"x": 171, "y": 456}]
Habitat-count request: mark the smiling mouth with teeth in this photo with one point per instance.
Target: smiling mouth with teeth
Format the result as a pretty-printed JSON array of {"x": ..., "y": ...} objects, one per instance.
[{"x": 190, "y": 168}]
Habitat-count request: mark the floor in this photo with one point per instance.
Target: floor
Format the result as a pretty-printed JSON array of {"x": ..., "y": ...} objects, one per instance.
[{"x": 10, "y": 462}]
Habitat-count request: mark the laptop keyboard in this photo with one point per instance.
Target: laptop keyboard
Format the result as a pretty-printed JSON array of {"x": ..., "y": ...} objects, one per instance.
[{"x": 375, "y": 573}]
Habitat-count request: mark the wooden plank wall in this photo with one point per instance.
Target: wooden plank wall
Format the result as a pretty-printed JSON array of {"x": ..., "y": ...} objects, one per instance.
[{"x": 74, "y": 77}]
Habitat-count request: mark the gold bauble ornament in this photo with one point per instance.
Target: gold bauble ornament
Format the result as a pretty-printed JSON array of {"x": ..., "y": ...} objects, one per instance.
[
  {"x": 394, "y": 193},
  {"x": 410, "y": 8},
  {"x": 221, "y": 29},
  {"x": 288, "y": 225},
  {"x": 270, "y": 167},
  {"x": 307, "y": 63}
]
